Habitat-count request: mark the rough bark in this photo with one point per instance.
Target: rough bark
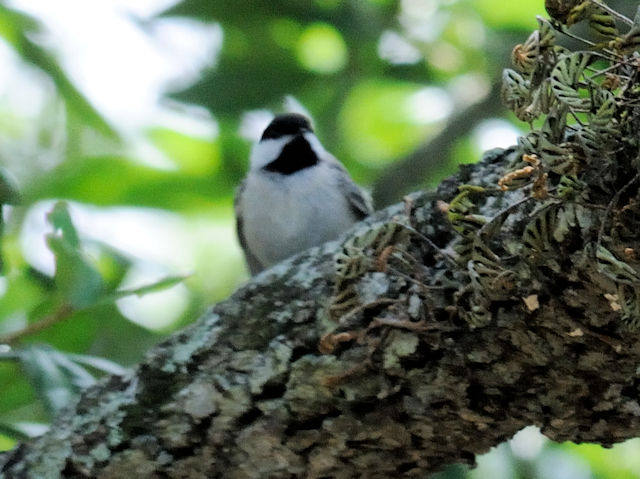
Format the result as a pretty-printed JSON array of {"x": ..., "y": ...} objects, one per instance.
[{"x": 362, "y": 358}]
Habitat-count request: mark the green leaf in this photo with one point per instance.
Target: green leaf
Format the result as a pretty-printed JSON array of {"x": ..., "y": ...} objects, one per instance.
[
  {"x": 164, "y": 283},
  {"x": 78, "y": 282},
  {"x": 99, "y": 364},
  {"x": 258, "y": 64},
  {"x": 78, "y": 376},
  {"x": 565, "y": 80},
  {"x": 159, "y": 285},
  {"x": 192, "y": 155},
  {"x": 51, "y": 383},
  {"x": 16, "y": 390},
  {"x": 112, "y": 263},
  {"x": 14, "y": 24},
  {"x": 238, "y": 12},
  {"x": 57, "y": 377},
  {"x": 357, "y": 19},
  {"x": 117, "y": 337},
  {"x": 75, "y": 332},
  {"x": 100, "y": 330},
  {"x": 112, "y": 180},
  {"x": 20, "y": 431},
  {"x": 248, "y": 81},
  {"x": 60, "y": 219},
  {"x": 18, "y": 29},
  {"x": 9, "y": 194}
]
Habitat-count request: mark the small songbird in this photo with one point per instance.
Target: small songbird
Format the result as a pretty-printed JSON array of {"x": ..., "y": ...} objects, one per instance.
[{"x": 295, "y": 196}]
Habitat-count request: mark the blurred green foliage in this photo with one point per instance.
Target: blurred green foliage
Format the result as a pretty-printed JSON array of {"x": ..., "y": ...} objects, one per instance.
[{"x": 362, "y": 68}]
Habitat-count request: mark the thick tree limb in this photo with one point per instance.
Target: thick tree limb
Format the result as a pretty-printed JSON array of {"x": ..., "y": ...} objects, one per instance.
[{"x": 404, "y": 384}]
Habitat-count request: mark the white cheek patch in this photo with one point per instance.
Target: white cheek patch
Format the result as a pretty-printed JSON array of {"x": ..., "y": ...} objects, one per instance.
[
  {"x": 315, "y": 144},
  {"x": 265, "y": 151}
]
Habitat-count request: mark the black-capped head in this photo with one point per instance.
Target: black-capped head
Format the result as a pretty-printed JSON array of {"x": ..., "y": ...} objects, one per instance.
[
  {"x": 287, "y": 124},
  {"x": 297, "y": 153}
]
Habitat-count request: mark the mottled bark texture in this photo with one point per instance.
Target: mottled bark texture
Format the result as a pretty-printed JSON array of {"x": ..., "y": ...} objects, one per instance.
[{"x": 387, "y": 354}]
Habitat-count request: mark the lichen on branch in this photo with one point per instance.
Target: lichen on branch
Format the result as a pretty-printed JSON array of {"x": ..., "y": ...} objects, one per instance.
[{"x": 431, "y": 332}]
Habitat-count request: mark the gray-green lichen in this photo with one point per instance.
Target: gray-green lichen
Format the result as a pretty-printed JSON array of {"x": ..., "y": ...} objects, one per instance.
[
  {"x": 400, "y": 345},
  {"x": 433, "y": 331},
  {"x": 246, "y": 391}
]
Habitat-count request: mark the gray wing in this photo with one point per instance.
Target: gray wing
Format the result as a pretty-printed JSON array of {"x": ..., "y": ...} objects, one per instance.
[
  {"x": 359, "y": 200},
  {"x": 254, "y": 265}
]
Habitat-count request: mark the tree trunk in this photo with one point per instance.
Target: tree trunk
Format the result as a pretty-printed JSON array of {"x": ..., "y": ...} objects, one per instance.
[{"x": 388, "y": 352}]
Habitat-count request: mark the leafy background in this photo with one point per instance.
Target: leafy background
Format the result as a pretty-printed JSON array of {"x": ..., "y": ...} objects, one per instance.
[{"x": 125, "y": 127}]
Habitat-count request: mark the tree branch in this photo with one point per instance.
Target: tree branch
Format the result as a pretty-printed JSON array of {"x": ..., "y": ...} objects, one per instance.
[
  {"x": 60, "y": 314},
  {"x": 407, "y": 174},
  {"x": 406, "y": 383}
]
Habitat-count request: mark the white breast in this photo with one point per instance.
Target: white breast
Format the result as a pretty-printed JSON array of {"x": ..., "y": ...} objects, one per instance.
[{"x": 286, "y": 214}]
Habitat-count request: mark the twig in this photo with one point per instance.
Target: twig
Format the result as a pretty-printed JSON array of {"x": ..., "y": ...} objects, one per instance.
[
  {"x": 613, "y": 12},
  {"x": 613, "y": 342},
  {"x": 363, "y": 307},
  {"x": 560, "y": 28},
  {"x": 424, "y": 162},
  {"x": 566, "y": 32},
  {"x": 504, "y": 212},
  {"x": 428, "y": 241},
  {"x": 612, "y": 203},
  {"x": 62, "y": 313}
]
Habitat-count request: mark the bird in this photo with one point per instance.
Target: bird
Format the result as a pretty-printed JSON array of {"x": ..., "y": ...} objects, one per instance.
[{"x": 295, "y": 195}]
